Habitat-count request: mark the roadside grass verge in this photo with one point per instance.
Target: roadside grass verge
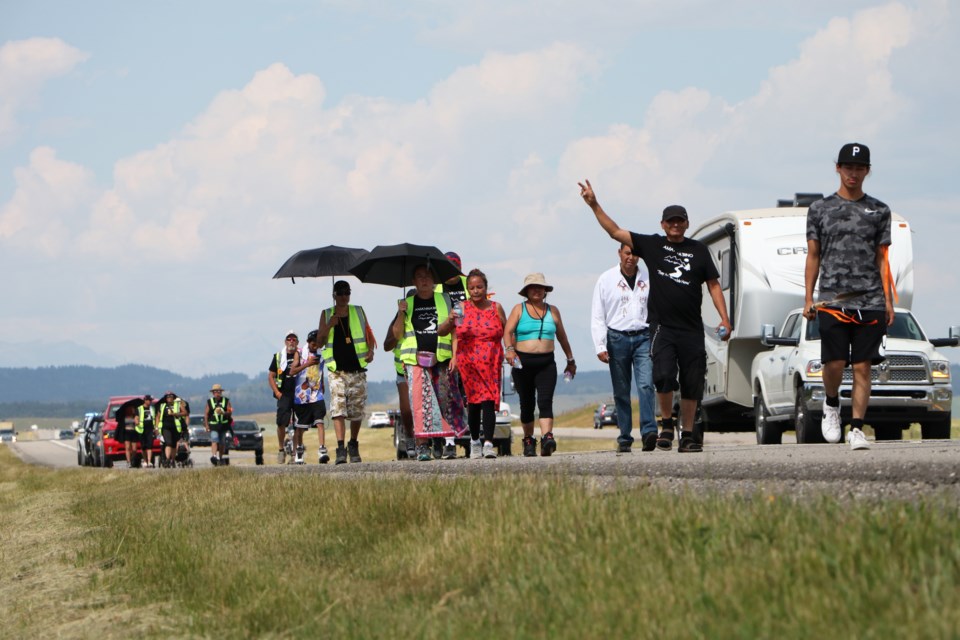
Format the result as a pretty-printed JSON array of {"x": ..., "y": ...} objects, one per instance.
[{"x": 232, "y": 554}]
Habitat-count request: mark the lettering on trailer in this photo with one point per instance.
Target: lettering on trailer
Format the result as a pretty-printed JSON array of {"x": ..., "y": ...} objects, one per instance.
[{"x": 790, "y": 251}]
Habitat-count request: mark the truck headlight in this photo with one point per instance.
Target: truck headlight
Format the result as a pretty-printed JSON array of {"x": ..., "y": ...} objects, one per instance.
[
  {"x": 815, "y": 369},
  {"x": 940, "y": 370}
]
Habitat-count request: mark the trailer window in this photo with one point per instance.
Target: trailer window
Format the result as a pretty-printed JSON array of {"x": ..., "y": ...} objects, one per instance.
[{"x": 725, "y": 269}]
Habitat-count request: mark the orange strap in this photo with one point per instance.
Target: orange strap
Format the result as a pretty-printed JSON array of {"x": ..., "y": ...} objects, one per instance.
[
  {"x": 886, "y": 275},
  {"x": 844, "y": 317}
]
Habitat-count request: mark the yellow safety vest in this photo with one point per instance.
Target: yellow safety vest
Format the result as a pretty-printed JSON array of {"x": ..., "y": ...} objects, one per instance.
[
  {"x": 218, "y": 418},
  {"x": 176, "y": 409},
  {"x": 408, "y": 348},
  {"x": 141, "y": 410},
  {"x": 358, "y": 336}
]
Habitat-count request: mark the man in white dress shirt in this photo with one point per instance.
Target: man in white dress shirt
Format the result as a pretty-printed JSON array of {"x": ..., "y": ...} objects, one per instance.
[{"x": 621, "y": 336}]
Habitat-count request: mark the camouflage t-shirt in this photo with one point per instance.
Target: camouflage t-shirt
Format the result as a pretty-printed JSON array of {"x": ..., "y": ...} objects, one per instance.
[{"x": 850, "y": 232}]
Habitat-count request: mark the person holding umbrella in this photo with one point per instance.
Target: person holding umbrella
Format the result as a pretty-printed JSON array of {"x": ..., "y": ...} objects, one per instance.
[
  {"x": 426, "y": 330},
  {"x": 349, "y": 345},
  {"x": 143, "y": 423}
]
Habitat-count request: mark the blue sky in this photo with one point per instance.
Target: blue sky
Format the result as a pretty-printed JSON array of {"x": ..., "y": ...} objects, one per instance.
[{"x": 159, "y": 161}]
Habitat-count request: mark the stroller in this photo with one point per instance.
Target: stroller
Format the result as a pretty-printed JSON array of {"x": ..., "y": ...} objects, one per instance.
[{"x": 181, "y": 459}]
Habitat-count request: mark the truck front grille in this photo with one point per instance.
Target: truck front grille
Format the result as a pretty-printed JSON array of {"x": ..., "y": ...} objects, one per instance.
[{"x": 898, "y": 368}]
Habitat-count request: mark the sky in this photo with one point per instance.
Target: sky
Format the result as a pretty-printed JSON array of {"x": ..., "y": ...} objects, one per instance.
[{"x": 160, "y": 161}]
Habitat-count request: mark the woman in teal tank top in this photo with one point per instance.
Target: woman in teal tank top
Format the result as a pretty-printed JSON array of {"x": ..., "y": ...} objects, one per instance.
[{"x": 531, "y": 332}]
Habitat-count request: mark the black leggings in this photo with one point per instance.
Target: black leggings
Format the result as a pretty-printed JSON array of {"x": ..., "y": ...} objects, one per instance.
[
  {"x": 535, "y": 383},
  {"x": 481, "y": 412}
]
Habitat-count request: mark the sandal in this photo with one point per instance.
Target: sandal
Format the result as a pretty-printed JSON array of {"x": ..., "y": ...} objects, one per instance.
[
  {"x": 665, "y": 440},
  {"x": 689, "y": 443}
]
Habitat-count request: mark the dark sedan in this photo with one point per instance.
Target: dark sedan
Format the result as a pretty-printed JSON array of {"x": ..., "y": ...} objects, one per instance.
[
  {"x": 605, "y": 414},
  {"x": 248, "y": 436}
]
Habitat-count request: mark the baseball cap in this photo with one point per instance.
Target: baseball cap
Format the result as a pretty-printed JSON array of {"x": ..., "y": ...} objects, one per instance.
[
  {"x": 148, "y": 397},
  {"x": 674, "y": 211},
  {"x": 854, "y": 153},
  {"x": 312, "y": 336},
  {"x": 292, "y": 333},
  {"x": 454, "y": 257}
]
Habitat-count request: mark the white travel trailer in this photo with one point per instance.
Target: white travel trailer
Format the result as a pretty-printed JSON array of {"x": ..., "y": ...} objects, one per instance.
[{"x": 761, "y": 255}]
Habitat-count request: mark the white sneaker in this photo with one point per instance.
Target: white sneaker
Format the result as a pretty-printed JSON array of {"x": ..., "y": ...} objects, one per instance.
[
  {"x": 857, "y": 440},
  {"x": 476, "y": 450},
  {"x": 830, "y": 425},
  {"x": 489, "y": 451},
  {"x": 324, "y": 456}
]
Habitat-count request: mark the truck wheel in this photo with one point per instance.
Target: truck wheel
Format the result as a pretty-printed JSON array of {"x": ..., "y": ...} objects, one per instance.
[
  {"x": 258, "y": 457},
  {"x": 767, "y": 432},
  {"x": 807, "y": 427},
  {"x": 888, "y": 431},
  {"x": 938, "y": 429},
  {"x": 79, "y": 456}
]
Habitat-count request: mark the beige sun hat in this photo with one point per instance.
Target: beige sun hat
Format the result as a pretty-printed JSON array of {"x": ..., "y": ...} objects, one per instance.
[
  {"x": 534, "y": 279},
  {"x": 216, "y": 387}
]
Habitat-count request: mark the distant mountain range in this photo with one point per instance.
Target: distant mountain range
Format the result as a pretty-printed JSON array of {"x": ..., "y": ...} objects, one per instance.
[{"x": 72, "y": 390}]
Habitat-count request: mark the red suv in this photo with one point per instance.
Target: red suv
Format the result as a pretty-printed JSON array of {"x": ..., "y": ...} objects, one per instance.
[{"x": 109, "y": 450}]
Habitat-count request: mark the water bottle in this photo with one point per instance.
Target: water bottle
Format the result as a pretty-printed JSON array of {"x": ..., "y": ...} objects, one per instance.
[
  {"x": 722, "y": 332},
  {"x": 516, "y": 363},
  {"x": 457, "y": 313},
  {"x": 567, "y": 376}
]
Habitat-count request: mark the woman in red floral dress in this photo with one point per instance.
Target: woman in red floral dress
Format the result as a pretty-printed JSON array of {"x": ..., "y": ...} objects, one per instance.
[{"x": 479, "y": 360}]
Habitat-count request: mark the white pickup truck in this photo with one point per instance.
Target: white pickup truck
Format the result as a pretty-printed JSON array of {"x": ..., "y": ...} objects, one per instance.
[{"x": 912, "y": 385}]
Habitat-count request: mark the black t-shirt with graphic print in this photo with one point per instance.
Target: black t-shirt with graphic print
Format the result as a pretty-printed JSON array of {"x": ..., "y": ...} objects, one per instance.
[
  {"x": 424, "y": 321},
  {"x": 677, "y": 273}
]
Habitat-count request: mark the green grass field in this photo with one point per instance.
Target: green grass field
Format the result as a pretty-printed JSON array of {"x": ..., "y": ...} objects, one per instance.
[{"x": 227, "y": 554}]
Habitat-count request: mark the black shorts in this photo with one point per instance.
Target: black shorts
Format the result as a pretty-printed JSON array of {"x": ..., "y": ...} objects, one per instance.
[
  {"x": 850, "y": 341},
  {"x": 146, "y": 439},
  {"x": 170, "y": 436},
  {"x": 309, "y": 415},
  {"x": 679, "y": 361},
  {"x": 284, "y": 410}
]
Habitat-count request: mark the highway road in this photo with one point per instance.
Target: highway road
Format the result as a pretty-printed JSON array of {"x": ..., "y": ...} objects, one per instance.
[{"x": 730, "y": 462}]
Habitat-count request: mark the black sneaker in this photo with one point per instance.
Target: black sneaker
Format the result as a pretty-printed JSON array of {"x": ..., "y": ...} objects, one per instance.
[
  {"x": 213, "y": 461},
  {"x": 529, "y": 447},
  {"x": 623, "y": 447},
  {"x": 547, "y": 445},
  {"x": 650, "y": 441},
  {"x": 341, "y": 456},
  {"x": 353, "y": 448}
]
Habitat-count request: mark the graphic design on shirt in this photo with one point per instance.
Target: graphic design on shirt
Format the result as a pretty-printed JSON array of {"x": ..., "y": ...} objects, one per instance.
[{"x": 681, "y": 265}]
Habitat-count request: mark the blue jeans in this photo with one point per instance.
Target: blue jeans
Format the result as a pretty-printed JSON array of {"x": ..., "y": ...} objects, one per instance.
[{"x": 631, "y": 355}]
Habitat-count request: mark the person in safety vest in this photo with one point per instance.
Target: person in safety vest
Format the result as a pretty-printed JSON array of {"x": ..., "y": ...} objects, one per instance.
[
  {"x": 349, "y": 346},
  {"x": 144, "y": 424},
  {"x": 283, "y": 383},
  {"x": 426, "y": 330},
  {"x": 455, "y": 287},
  {"x": 169, "y": 415},
  {"x": 217, "y": 419},
  {"x": 390, "y": 343}
]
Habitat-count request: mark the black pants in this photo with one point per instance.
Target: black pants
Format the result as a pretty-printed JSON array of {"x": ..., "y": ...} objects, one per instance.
[
  {"x": 481, "y": 413},
  {"x": 535, "y": 383}
]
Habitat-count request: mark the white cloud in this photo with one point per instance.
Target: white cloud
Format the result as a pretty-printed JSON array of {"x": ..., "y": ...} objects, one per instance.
[{"x": 25, "y": 66}]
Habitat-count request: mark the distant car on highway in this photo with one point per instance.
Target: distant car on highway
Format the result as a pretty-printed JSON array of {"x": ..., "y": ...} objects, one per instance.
[
  {"x": 87, "y": 435},
  {"x": 248, "y": 436},
  {"x": 378, "y": 420},
  {"x": 8, "y": 435},
  {"x": 198, "y": 435},
  {"x": 606, "y": 413},
  {"x": 65, "y": 434}
]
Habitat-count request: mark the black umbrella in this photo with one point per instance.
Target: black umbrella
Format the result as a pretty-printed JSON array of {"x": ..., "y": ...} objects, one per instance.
[
  {"x": 323, "y": 261},
  {"x": 121, "y": 414},
  {"x": 394, "y": 264}
]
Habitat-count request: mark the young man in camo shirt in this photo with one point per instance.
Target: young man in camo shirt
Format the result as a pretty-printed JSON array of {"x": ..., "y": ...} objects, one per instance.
[{"x": 848, "y": 234}]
